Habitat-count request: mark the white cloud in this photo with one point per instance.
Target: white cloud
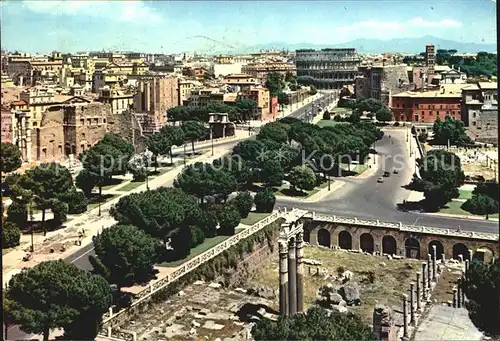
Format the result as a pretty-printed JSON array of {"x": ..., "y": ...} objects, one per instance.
[
  {"x": 445, "y": 23},
  {"x": 130, "y": 11}
]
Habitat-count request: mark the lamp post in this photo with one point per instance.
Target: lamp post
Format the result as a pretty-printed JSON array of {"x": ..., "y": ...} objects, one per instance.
[
  {"x": 184, "y": 159},
  {"x": 147, "y": 159},
  {"x": 32, "y": 247}
]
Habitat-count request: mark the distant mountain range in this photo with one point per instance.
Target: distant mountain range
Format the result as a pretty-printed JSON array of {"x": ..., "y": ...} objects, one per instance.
[{"x": 403, "y": 45}]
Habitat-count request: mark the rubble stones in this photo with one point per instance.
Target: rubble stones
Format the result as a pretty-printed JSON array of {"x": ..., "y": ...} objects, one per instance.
[
  {"x": 262, "y": 291},
  {"x": 350, "y": 293},
  {"x": 214, "y": 285}
]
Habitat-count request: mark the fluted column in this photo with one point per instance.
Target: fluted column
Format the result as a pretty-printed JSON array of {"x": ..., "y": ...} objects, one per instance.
[
  {"x": 424, "y": 282},
  {"x": 292, "y": 279},
  {"x": 429, "y": 270},
  {"x": 300, "y": 271},
  {"x": 283, "y": 253}
]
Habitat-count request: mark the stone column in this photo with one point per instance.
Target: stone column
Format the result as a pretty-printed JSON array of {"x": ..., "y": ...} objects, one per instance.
[
  {"x": 443, "y": 258},
  {"x": 470, "y": 255},
  {"x": 300, "y": 272},
  {"x": 283, "y": 253},
  {"x": 405, "y": 318},
  {"x": 463, "y": 291},
  {"x": 424, "y": 281},
  {"x": 461, "y": 258},
  {"x": 429, "y": 270},
  {"x": 418, "y": 290},
  {"x": 454, "y": 297},
  {"x": 467, "y": 265},
  {"x": 292, "y": 279},
  {"x": 459, "y": 296},
  {"x": 434, "y": 262},
  {"x": 412, "y": 303}
]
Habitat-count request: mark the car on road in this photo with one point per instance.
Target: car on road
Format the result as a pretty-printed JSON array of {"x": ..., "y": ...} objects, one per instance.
[
  {"x": 387, "y": 174},
  {"x": 395, "y": 171},
  {"x": 380, "y": 179}
]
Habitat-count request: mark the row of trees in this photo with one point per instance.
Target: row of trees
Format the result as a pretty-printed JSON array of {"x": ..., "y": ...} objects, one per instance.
[
  {"x": 10, "y": 157},
  {"x": 239, "y": 112}
]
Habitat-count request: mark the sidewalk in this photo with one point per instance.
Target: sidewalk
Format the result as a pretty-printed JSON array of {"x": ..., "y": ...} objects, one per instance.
[
  {"x": 462, "y": 216},
  {"x": 90, "y": 221}
]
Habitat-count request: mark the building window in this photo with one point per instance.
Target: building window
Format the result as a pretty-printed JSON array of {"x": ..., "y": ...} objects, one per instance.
[
  {"x": 441, "y": 106},
  {"x": 96, "y": 120},
  {"x": 474, "y": 123},
  {"x": 83, "y": 135},
  {"x": 473, "y": 115},
  {"x": 89, "y": 121},
  {"x": 82, "y": 122}
]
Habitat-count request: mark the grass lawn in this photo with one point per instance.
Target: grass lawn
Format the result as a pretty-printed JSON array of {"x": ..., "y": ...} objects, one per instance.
[
  {"x": 254, "y": 217},
  {"x": 131, "y": 185},
  {"x": 358, "y": 169},
  {"x": 465, "y": 194},
  {"x": 339, "y": 110},
  {"x": 206, "y": 245},
  {"x": 329, "y": 123},
  {"x": 453, "y": 207},
  {"x": 385, "y": 289}
]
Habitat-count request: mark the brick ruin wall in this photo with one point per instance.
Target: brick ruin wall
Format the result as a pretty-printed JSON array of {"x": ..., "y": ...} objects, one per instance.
[
  {"x": 127, "y": 125},
  {"x": 394, "y": 81}
]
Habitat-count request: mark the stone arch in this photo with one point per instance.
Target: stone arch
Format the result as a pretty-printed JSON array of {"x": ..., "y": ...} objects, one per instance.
[
  {"x": 460, "y": 249},
  {"x": 345, "y": 240},
  {"x": 324, "y": 238},
  {"x": 412, "y": 248},
  {"x": 367, "y": 243},
  {"x": 307, "y": 235},
  {"x": 484, "y": 254},
  {"x": 389, "y": 245},
  {"x": 439, "y": 248}
]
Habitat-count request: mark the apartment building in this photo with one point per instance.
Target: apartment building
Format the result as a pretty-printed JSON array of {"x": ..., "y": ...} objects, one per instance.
[
  {"x": 119, "y": 99},
  {"x": 480, "y": 111},
  {"x": 426, "y": 106},
  {"x": 115, "y": 74},
  {"x": 260, "y": 70},
  {"x": 6, "y": 124},
  {"x": 185, "y": 89},
  {"x": 262, "y": 98},
  {"x": 327, "y": 68},
  {"x": 239, "y": 82}
]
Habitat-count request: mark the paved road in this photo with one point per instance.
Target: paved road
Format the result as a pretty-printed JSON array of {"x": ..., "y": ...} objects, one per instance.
[{"x": 368, "y": 199}]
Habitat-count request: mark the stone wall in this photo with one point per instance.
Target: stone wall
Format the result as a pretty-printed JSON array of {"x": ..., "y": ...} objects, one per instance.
[
  {"x": 127, "y": 125},
  {"x": 392, "y": 241}
]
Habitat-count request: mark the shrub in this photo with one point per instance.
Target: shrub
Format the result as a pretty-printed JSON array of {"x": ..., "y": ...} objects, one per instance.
[
  {"x": 244, "y": 203},
  {"x": 197, "y": 236},
  {"x": 327, "y": 115},
  {"x": 208, "y": 224},
  {"x": 229, "y": 219},
  {"x": 11, "y": 234},
  {"x": 17, "y": 213},
  {"x": 77, "y": 202},
  {"x": 264, "y": 201},
  {"x": 337, "y": 118}
]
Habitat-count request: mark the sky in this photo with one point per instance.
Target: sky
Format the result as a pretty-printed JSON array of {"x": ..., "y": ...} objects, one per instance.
[{"x": 176, "y": 26}]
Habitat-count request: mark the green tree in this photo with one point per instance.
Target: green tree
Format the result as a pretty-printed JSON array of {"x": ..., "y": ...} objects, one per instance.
[
  {"x": 272, "y": 173},
  {"x": 264, "y": 201},
  {"x": 179, "y": 113},
  {"x": 77, "y": 201},
  {"x": 229, "y": 218},
  {"x": 17, "y": 213},
  {"x": 158, "y": 144},
  {"x": 49, "y": 182},
  {"x": 482, "y": 287},
  {"x": 383, "y": 114},
  {"x": 208, "y": 224},
  {"x": 452, "y": 131},
  {"x": 370, "y": 105},
  {"x": 125, "y": 148},
  {"x": 176, "y": 137},
  {"x": 86, "y": 181},
  {"x": 246, "y": 106},
  {"x": 11, "y": 234},
  {"x": 327, "y": 115},
  {"x": 10, "y": 157},
  {"x": 249, "y": 150},
  {"x": 302, "y": 177},
  {"x": 490, "y": 189},
  {"x": 275, "y": 83},
  {"x": 193, "y": 131},
  {"x": 283, "y": 99},
  {"x": 274, "y": 131},
  {"x": 125, "y": 255},
  {"x": 481, "y": 204},
  {"x": 244, "y": 203},
  {"x": 158, "y": 212},
  {"x": 56, "y": 294},
  {"x": 316, "y": 324}
]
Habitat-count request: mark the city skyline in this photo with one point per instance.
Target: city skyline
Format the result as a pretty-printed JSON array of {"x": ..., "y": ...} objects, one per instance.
[{"x": 166, "y": 27}]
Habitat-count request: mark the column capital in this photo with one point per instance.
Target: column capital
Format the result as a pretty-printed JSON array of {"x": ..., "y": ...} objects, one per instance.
[
  {"x": 283, "y": 246},
  {"x": 299, "y": 237}
]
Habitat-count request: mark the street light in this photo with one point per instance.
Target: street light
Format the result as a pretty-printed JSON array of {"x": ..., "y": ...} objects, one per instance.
[
  {"x": 184, "y": 159},
  {"x": 212, "y": 138}
]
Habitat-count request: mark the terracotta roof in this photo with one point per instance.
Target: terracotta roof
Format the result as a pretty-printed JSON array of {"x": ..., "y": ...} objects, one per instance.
[{"x": 18, "y": 103}]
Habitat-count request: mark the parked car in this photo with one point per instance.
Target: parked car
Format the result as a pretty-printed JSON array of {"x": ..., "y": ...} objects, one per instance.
[
  {"x": 386, "y": 174},
  {"x": 395, "y": 171},
  {"x": 380, "y": 179}
]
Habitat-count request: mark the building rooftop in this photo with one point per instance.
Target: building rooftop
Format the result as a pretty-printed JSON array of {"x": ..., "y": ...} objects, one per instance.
[
  {"x": 445, "y": 91},
  {"x": 488, "y": 85}
]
